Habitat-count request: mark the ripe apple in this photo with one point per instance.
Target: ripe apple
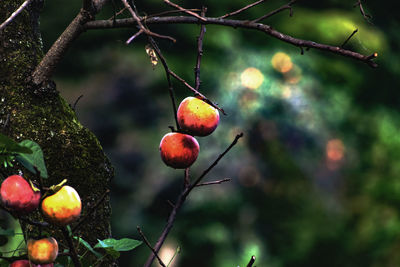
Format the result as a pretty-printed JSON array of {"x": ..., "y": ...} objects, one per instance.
[
  {"x": 42, "y": 251},
  {"x": 179, "y": 150},
  {"x": 197, "y": 117},
  {"x": 63, "y": 207},
  {"x": 20, "y": 263},
  {"x": 17, "y": 194}
]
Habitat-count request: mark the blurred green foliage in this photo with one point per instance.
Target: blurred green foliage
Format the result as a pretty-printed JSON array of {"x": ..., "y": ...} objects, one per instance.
[{"x": 316, "y": 177}]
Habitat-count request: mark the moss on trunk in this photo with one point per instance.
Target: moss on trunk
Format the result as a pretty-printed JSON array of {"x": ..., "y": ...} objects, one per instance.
[{"x": 71, "y": 151}]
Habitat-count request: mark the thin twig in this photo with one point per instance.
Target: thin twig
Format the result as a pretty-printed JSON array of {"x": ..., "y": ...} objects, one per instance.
[
  {"x": 276, "y": 11},
  {"x": 91, "y": 210},
  {"x": 251, "y": 262},
  {"x": 170, "y": 11},
  {"x": 76, "y": 102},
  {"x": 215, "y": 182},
  {"x": 184, "y": 10},
  {"x": 365, "y": 15},
  {"x": 242, "y": 9},
  {"x": 71, "y": 246},
  {"x": 348, "y": 38},
  {"x": 181, "y": 199},
  {"x": 199, "y": 51},
  {"x": 117, "y": 14},
  {"x": 167, "y": 72},
  {"x": 307, "y": 44},
  {"x": 196, "y": 93},
  {"x": 198, "y": 180},
  {"x": 14, "y": 14},
  {"x": 134, "y": 36},
  {"x": 149, "y": 245},
  {"x": 141, "y": 26}
]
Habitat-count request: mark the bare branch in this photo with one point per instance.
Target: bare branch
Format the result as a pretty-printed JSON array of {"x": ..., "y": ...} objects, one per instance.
[
  {"x": 181, "y": 199},
  {"x": 141, "y": 26},
  {"x": 198, "y": 180},
  {"x": 14, "y": 14},
  {"x": 365, "y": 15},
  {"x": 199, "y": 52},
  {"x": 184, "y": 10},
  {"x": 149, "y": 245},
  {"x": 215, "y": 182},
  {"x": 348, "y": 39},
  {"x": 252, "y": 261},
  {"x": 168, "y": 73},
  {"x": 102, "y": 24},
  {"x": 276, "y": 11},
  {"x": 242, "y": 9},
  {"x": 47, "y": 66},
  {"x": 134, "y": 36},
  {"x": 196, "y": 93}
]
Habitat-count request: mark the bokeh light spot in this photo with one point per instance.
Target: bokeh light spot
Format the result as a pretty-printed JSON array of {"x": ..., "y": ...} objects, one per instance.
[
  {"x": 252, "y": 78},
  {"x": 282, "y": 62},
  {"x": 335, "y": 149}
]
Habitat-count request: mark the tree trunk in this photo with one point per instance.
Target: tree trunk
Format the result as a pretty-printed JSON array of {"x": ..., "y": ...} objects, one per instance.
[{"x": 71, "y": 151}]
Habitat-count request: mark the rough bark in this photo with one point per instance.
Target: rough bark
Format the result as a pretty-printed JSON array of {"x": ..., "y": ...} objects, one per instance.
[{"x": 71, "y": 151}]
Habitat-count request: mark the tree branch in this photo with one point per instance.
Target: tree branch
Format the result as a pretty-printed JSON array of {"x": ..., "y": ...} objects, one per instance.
[
  {"x": 199, "y": 52},
  {"x": 215, "y": 182},
  {"x": 47, "y": 66},
  {"x": 184, "y": 10},
  {"x": 14, "y": 14},
  {"x": 181, "y": 199},
  {"x": 252, "y": 261},
  {"x": 242, "y": 9},
  {"x": 149, "y": 245},
  {"x": 167, "y": 72},
  {"x": 276, "y": 11},
  {"x": 104, "y": 24}
]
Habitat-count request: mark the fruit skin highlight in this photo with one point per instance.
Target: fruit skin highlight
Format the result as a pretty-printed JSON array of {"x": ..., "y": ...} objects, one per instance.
[
  {"x": 42, "y": 251},
  {"x": 17, "y": 194},
  {"x": 197, "y": 117},
  {"x": 179, "y": 150},
  {"x": 63, "y": 207}
]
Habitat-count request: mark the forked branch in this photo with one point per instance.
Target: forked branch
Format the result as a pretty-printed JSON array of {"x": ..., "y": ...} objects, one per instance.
[{"x": 105, "y": 24}]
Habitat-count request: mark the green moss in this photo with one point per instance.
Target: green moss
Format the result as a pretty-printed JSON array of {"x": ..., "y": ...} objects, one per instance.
[{"x": 71, "y": 151}]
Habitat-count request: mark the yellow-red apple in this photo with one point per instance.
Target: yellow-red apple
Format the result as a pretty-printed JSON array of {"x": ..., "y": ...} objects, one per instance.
[
  {"x": 197, "y": 117},
  {"x": 42, "y": 251},
  {"x": 63, "y": 207},
  {"x": 179, "y": 150},
  {"x": 17, "y": 195}
]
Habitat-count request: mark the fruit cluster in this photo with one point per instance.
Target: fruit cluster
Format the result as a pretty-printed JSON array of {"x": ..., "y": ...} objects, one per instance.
[
  {"x": 21, "y": 197},
  {"x": 179, "y": 150}
]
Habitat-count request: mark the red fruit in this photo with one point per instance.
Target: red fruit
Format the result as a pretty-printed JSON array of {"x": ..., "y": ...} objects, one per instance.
[
  {"x": 179, "y": 150},
  {"x": 197, "y": 117},
  {"x": 20, "y": 263},
  {"x": 17, "y": 194},
  {"x": 42, "y": 251}
]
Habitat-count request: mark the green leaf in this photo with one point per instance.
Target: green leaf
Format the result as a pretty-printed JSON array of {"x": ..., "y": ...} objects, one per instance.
[
  {"x": 30, "y": 161},
  {"x": 7, "y": 232},
  {"x": 88, "y": 246},
  {"x": 124, "y": 244},
  {"x": 115, "y": 254},
  {"x": 10, "y": 146}
]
